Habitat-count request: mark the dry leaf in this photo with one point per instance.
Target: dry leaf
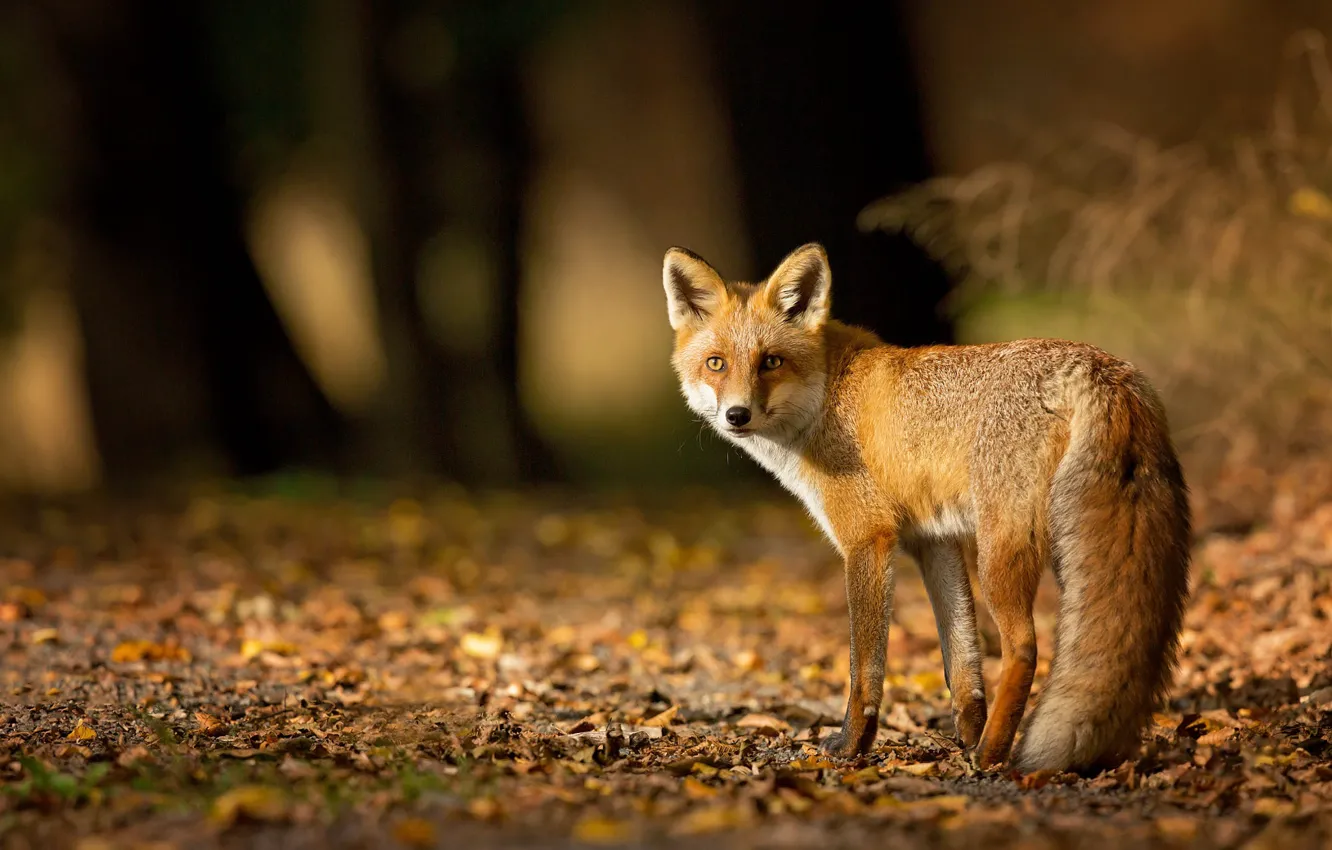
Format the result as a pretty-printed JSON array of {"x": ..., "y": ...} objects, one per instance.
[
  {"x": 146, "y": 650},
  {"x": 415, "y": 832},
  {"x": 82, "y": 732},
  {"x": 45, "y": 636},
  {"x": 663, "y": 719},
  {"x": 210, "y": 725},
  {"x": 253, "y": 647},
  {"x": 764, "y": 722},
  {"x": 600, "y": 830},
  {"x": 714, "y": 819},
  {"x": 485, "y": 645},
  {"x": 253, "y": 802},
  {"x": 695, "y": 790}
]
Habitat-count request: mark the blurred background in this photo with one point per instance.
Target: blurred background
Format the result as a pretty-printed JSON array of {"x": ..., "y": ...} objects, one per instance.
[{"x": 423, "y": 239}]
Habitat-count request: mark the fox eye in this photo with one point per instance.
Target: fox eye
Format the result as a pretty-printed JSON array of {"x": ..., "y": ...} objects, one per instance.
[
  {"x": 716, "y": 364},
  {"x": 772, "y": 361}
]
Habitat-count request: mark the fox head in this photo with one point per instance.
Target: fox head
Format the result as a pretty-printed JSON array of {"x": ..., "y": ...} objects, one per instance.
[{"x": 751, "y": 357}]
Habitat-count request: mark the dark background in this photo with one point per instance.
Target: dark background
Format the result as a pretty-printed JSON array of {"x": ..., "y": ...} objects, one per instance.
[{"x": 482, "y": 192}]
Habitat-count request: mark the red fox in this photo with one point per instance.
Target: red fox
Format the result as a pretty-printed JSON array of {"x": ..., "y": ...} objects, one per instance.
[{"x": 1011, "y": 456}]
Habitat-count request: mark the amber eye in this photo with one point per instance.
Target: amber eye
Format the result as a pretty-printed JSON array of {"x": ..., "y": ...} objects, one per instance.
[
  {"x": 716, "y": 364},
  {"x": 772, "y": 361}
]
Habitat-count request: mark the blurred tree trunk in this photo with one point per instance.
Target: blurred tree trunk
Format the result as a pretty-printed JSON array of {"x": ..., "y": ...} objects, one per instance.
[
  {"x": 452, "y": 151},
  {"x": 188, "y": 363},
  {"x": 826, "y": 120}
]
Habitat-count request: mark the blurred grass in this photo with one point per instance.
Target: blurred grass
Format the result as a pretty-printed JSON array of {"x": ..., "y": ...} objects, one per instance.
[{"x": 1209, "y": 268}]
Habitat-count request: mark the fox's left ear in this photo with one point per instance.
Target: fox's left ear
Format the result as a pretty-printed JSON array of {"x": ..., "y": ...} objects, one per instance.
[{"x": 801, "y": 287}]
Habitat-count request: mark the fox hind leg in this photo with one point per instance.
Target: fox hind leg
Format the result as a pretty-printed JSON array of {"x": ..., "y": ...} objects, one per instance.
[
  {"x": 1009, "y": 576},
  {"x": 944, "y": 571}
]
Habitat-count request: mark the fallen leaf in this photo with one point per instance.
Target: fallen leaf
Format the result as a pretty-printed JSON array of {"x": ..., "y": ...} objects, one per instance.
[
  {"x": 414, "y": 832},
  {"x": 485, "y": 645},
  {"x": 695, "y": 790},
  {"x": 82, "y": 732},
  {"x": 45, "y": 636},
  {"x": 663, "y": 719},
  {"x": 763, "y": 722},
  {"x": 145, "y": 650},
  {"x": 714, "y": 819},
  {"x": 253, "y": 802},
  {"x": 601, "y": 830},
  {"x": 253, "y": 647},
  {"x": 210, "y": 725}
]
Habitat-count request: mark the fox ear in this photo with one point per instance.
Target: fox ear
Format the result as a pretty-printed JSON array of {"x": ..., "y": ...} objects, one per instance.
[
  {"x": 801, "y": 287},
  {"x": 693, "y": 288}
]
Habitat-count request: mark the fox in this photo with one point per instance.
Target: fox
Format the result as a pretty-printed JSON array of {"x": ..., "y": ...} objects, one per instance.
[{"x": 1010, "y": 457}]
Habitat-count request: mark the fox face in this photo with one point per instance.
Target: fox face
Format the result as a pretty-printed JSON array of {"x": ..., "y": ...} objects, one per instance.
[{"x": 751, "y": 358}]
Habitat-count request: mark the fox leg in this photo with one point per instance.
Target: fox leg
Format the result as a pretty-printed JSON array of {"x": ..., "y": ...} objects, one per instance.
[
  {"x": 946, "y": 580},
  {"x": 869, "y": 595},
  {"x": 1009, "y": 576}
]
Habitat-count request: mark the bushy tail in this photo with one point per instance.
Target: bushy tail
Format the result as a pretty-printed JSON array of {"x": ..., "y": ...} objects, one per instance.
[{"x": 1119, "y": 520}]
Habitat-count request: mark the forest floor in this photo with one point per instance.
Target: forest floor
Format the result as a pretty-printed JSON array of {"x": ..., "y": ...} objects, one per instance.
[{"x": 524, "y": 671}]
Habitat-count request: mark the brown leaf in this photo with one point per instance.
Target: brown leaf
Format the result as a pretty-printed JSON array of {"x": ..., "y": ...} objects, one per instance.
[
  {"x": 210, "y": 725},
  {"x": 695, "y": 790},
  {"x": 254, "y": 802},
  {"x": 146, "y": 650},
  {"x": 82, "y": 732},
  {"x": 764, "y": 722},
  {"x": 415, "y": 832},
  {"x": 663, "y": 719},
  {"x": 600, "y": 830}
]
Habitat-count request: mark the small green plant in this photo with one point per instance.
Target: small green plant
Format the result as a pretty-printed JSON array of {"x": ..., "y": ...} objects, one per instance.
[{"x": 42, "y": 785}]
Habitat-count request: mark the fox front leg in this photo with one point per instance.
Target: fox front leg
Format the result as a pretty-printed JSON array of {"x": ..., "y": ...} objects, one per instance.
[{"x": 869, "y": 595}]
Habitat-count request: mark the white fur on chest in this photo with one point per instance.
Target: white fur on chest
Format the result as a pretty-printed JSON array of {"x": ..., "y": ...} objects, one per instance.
[{"x": 786, "y": 465}]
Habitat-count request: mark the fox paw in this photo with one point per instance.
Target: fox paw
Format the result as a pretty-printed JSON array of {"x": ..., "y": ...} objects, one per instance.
[
  {"x": 849, "y": 743},
  {"x": 840, "y": 745}
]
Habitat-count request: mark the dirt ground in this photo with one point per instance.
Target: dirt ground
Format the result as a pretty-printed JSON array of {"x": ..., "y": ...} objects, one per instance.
[{"x": 515, "y": 671}]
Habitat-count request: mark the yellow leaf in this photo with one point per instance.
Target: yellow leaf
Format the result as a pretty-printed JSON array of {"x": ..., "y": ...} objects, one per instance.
[
  {"x": 924, "y": 768},
  {"x": 482, "y": 645},
  {"x": 45, "y": 636},
  {"x": 1309, "y": 202},
  {"x": 253, "y": 647},
  {"x": 747, "y": 659},
  {"x": 715, "y": 819},
  {"x": 255, "y": 802},
  {"x": 638, "y": 639},
  {"x": 415, "y": 832},
  {"x": 696, "y": 790},
  {"x": 812, "y": 763},
  {"x": 599, "y": 830},
  {"x": 928, "y": 683},
  {"x": 869, "y": 774},
  {"x": 82, "y": 732},
  {"x": 140, "y": 650},
  {"x": 483, "y": 808},
  {"x": 1273, "y": 807},
  {"x": 1178, "y": 828},
  {"x": 703, "y": 769},
  {"x": 664, "y": 719}
]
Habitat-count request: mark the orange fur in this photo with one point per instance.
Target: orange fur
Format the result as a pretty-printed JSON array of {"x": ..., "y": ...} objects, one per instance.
[{"x": 1018, "y": 455}]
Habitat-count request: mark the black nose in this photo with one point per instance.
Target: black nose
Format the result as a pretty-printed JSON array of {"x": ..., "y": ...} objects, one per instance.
[{"x": 738, "y": 416}]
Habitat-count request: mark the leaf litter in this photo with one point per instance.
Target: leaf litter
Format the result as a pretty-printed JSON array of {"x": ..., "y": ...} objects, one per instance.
[{"x": 506, "y": 671}]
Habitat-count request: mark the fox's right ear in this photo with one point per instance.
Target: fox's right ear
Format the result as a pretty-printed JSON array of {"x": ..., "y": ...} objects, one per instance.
[{"x": 693, "y": 288}]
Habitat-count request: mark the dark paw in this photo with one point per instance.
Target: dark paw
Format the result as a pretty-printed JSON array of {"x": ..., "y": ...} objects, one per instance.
[
  {"x": 849, "y": 743},
  {"x": 839, "y": 745}
]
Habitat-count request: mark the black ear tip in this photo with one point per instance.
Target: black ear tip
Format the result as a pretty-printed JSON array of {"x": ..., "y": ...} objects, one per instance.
[{"x": 684, "y": 252}]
